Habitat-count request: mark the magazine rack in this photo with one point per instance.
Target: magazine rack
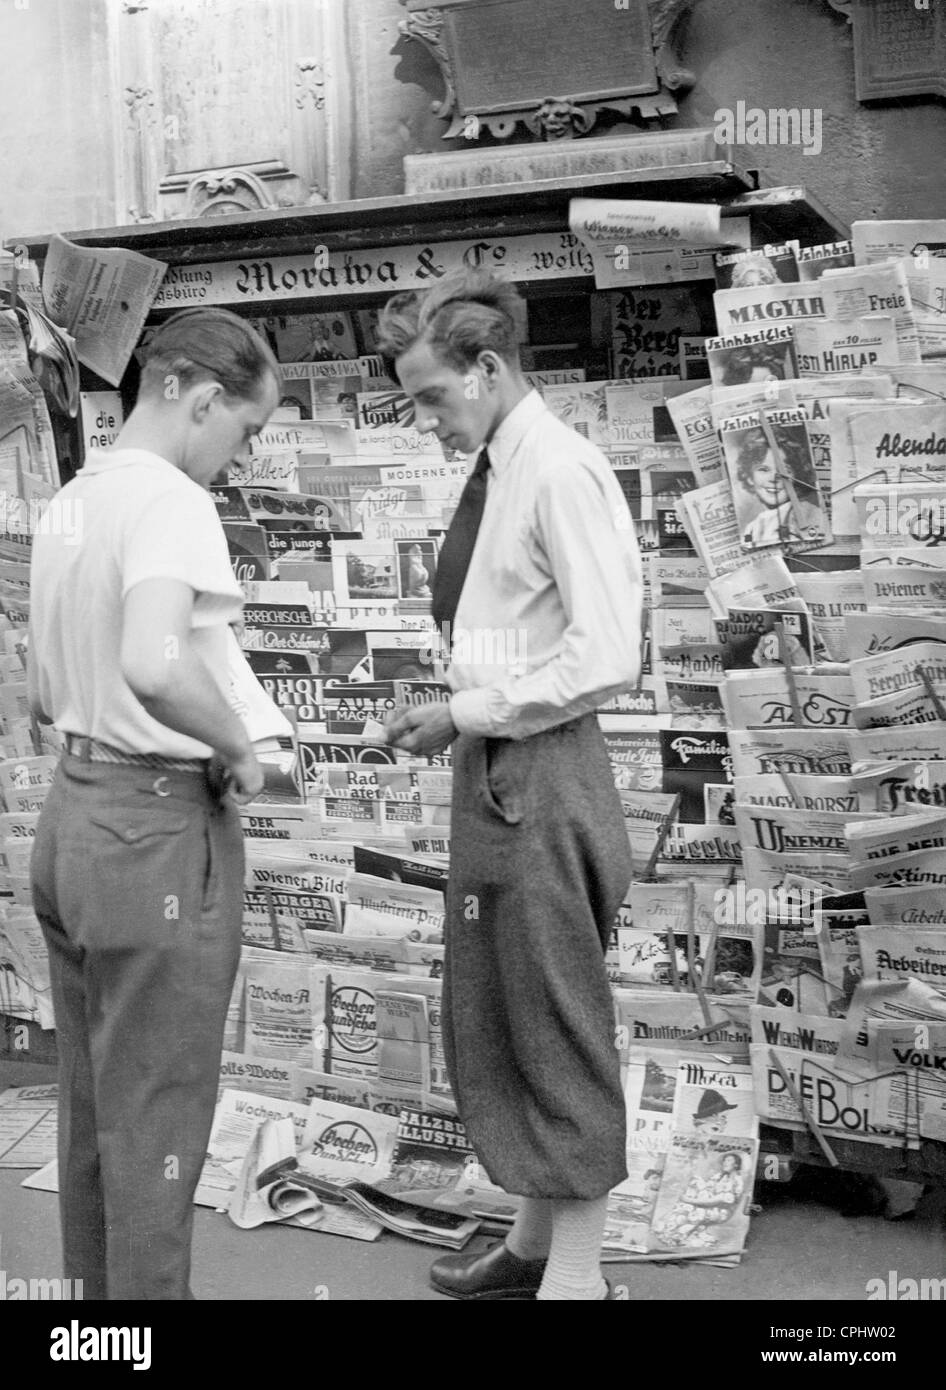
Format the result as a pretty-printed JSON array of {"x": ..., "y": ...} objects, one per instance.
[{"x": 415, "y": 226}]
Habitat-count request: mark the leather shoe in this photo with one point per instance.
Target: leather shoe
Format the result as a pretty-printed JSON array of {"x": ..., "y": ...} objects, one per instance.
[{"x": 494, "y": 1273}]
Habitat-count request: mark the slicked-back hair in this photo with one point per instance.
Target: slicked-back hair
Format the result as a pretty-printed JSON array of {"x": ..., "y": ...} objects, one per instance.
[
  {"x": 467, "y": 313},
  {"x": 197, "y": 345}
]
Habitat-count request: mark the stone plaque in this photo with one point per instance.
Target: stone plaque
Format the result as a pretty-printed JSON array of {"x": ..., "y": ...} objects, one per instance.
[
  {"x": 551, "y": 64},
  {"x": 511, "y": 54},
  {"x": 899, "y": 48}
]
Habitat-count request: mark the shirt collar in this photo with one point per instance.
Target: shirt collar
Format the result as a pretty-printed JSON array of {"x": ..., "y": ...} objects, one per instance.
[
  {"x": 98, "y": 460},
  {"x": 513, "y": 429}
]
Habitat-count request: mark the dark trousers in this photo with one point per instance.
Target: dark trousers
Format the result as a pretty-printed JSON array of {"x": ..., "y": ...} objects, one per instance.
[
  {"x": 137, "y": 880},
  {"x": 539, "y": 865}
]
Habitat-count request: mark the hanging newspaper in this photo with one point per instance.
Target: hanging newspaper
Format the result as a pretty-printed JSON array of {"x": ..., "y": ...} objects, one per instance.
[{"x": 101, "y": 296}]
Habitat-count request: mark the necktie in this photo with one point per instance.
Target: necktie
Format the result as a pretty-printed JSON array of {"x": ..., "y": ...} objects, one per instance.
[{"x": 457, "y": 549}]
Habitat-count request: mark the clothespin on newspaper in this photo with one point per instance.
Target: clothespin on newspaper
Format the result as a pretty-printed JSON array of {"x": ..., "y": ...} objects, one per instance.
[
  {"x": 709, "y": 960},
  {"x": 795, "y": 1094},
  {"x": 706, "y": 1032},
  {"x": 36, "y": 738},
  {"x": 672, "y": 953},
  {"x": 696, "y": 980},
  {"x": 930, "y": 689},
  {"x": 273, "y": 919},
  {"x": 790, "y": 678},
  {"x": 661, "y": 839},
  {"x": 790, "y": 789}
]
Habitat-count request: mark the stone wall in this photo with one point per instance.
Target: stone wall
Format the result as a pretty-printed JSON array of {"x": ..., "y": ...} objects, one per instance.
[{"x": 66, "y": 127}]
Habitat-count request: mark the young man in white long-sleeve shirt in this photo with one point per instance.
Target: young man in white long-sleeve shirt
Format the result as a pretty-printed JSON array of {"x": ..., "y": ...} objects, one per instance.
[{"x": 539, "y": 591}]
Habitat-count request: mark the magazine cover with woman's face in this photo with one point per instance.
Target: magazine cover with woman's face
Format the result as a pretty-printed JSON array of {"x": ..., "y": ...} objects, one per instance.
[{"x": 772, "y": 474}]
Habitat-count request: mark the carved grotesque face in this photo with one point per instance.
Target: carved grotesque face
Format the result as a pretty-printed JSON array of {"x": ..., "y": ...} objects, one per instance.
[{"x": 557, "y": 119}]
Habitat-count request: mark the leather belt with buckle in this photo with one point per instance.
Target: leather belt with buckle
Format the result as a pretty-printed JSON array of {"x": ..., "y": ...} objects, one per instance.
[{"x": 93, "y": 750}]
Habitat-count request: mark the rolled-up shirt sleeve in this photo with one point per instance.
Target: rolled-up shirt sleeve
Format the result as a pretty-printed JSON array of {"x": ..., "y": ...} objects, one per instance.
[{"x": 584, "y": 536}]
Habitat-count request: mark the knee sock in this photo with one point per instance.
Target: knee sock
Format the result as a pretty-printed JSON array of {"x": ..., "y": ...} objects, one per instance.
[
  {"x": 574, "y": 1267},
  {"x": 531, "y": 1232}
]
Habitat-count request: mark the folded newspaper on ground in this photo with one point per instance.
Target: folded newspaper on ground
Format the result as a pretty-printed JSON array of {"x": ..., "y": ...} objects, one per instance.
[
  {"x": 391, "y": 1169},
  {"x": 269, "y": 1188}
]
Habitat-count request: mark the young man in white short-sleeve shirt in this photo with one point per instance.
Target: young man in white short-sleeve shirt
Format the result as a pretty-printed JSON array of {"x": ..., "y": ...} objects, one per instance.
[{"x": 137, "y": 868}]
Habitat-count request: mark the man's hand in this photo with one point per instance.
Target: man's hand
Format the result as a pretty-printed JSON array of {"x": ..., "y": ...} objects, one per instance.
[
  {"x": 422, "y": 729},
  {"x": 245, "y": 777}
]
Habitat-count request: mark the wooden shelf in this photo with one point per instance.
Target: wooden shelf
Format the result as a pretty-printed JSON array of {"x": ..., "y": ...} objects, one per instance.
[{"x": 497, "y": 211}]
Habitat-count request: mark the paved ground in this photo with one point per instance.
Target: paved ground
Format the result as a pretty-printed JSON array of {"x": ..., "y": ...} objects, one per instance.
[{"x": 800, "y": 1248}]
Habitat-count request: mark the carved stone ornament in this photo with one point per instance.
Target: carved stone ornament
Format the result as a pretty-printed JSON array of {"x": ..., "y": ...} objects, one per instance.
[
  {"x": 310, "y": 83},
  {"x": 241, "y": 188},
  {"x": 502, "y": 60},
  {"x": 560, "y": 119},
  {"x": 140, "y": 103}
]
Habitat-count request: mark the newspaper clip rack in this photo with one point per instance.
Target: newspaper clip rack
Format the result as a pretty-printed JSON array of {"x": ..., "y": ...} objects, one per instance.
[
  {"x": 856, "y": 482},
  {"x": 882, "y": 473}
]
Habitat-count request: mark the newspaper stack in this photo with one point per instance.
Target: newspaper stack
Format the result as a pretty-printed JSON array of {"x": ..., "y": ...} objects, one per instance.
[
  {"x": 24, "y": 962},
  {"x": 692, "y": 1151}
]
